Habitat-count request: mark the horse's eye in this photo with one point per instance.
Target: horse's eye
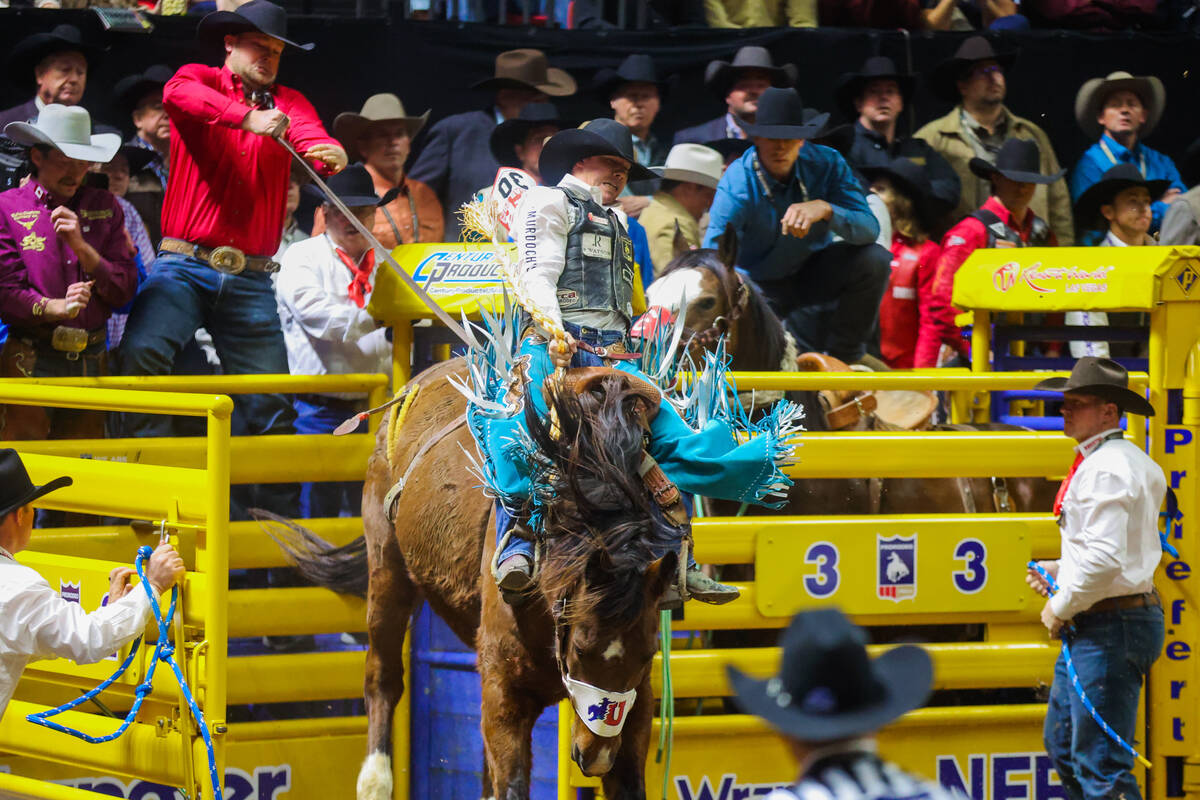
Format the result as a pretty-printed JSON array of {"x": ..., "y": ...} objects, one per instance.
[
  {"x": 578, "y": 651},
  {"x": 706, "y": 303}
]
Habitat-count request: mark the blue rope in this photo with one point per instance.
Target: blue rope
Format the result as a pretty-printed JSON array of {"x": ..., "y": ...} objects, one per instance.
[
  {"x": 163, "y": 651},
  {"x": 1074, "y": 676},
  {"x": 1171, "y": 519}
]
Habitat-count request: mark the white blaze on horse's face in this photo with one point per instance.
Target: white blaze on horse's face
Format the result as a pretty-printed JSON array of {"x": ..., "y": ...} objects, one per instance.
[{"x": 669, "y": 290}]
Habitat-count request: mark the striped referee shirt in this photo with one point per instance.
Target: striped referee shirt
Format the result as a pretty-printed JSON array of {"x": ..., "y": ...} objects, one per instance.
[{"x": 861, "y": 775}]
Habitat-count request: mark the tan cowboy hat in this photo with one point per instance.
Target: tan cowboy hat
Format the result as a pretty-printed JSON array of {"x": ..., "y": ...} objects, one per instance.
[
  {"x": 348, "y": 126},
  {"x": 527, "y": 69},
  {"x": 68, "y": 129},
  {"x": 1093, "y": 93},
  {"x": 692, "y": 163}
]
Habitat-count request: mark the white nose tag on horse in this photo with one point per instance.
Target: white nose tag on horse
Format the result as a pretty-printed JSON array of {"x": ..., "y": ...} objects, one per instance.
[{"x": 603, "y": 712}]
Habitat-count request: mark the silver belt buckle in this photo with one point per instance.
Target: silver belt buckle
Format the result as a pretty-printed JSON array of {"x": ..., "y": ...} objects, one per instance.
[{"x": 227, "y": 259}]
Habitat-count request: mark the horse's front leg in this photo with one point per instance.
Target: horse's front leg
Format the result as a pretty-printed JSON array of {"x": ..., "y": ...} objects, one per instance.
[
  {"x": 627, "y": 778},
  {"x": 508, "y": 718}
]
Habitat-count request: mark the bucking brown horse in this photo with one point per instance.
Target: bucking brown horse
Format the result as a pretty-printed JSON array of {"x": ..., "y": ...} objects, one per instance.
[{"x": 592, "y": 620}]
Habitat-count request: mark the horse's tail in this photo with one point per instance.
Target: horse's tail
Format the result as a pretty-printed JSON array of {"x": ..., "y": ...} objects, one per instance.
[{"x": 342, "y": 569}]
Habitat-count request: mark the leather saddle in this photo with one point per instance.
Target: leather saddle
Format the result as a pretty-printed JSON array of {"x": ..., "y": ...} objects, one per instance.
[{"x": 895, "y": 409}]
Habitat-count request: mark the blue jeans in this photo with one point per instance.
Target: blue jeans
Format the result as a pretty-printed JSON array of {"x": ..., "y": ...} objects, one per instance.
[
  {"x": 317, "y": 414},
  {"x": 1112, "y": 651},
  {"x": 183, "y": 294}
]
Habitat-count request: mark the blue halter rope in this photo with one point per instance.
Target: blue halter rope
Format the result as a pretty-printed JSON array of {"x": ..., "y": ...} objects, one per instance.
[
  {"x": 1075, "y": 682},
  {"x": 163, "y": 651}
]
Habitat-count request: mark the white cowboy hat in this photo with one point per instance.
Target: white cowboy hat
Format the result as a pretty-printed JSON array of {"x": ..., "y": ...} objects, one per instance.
[
  {"x": 692, "y": 163},
  {"x": 68, "y": 129},
  {"x": 1093, "y": 93}
]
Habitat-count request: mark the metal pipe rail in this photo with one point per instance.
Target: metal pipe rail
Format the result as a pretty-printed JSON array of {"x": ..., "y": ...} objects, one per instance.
[
  {"x": 221, "y": 384},
  {"x": 918, "y": 380}
]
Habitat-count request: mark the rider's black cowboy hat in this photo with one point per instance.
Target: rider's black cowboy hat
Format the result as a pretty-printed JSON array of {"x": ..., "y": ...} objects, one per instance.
[
  {"x": 1104, "y": 378},
  {"x": 1114, "y": 181},
  {"x": 781, "y": 115},
  {"x": 599, "y": 137},
  {"x": 828, "y": 688},
  {"x": 261, "y": 16},
  {"x": 132, "y": 88},
  {"x": 851, "y": 85},
  {"x": 720, "y": 76},
  {"x": 16, "y": 489},
  {"x": 636, "y": 68},
  {"x": 945, "y": 76},
  {"x": 30, "y": 51},
  {"x": 910, "y": 179},
  {"x": 1018, "y": 160},
  {"x": 508, "y": 134}
]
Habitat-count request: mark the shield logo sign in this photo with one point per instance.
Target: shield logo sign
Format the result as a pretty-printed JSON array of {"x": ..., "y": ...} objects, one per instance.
[{"x": 896, "y": 560}]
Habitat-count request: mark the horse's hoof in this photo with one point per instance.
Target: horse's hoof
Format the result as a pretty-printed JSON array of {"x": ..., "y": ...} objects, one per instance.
[{"x": 375, "y": 778}]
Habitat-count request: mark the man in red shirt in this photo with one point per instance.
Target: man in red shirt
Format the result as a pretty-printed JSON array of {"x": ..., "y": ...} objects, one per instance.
[
  {"x": 1004, "y": 220},
  {"x": 222, "y": 219}
]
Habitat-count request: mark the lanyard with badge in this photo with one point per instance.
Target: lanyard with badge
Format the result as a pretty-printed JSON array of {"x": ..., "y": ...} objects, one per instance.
[{"x": 766, "y": 186}]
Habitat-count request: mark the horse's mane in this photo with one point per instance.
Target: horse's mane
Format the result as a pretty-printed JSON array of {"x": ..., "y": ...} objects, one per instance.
[
  {"x": 758, "y": 316},
  {"x": 601, "y": 530}
]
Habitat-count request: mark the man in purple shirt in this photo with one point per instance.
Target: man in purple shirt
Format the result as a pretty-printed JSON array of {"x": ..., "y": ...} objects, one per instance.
[{"x": 65, "y": 263}]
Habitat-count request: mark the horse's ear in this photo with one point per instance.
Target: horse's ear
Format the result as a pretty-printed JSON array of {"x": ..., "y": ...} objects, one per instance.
[
  {"x": 680, "y": 244},
  {"x": 661, "y": 574},
  {"x": 727, "y": 247}
]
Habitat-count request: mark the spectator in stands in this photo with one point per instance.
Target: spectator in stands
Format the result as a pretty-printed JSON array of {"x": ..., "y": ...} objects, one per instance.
[
  {"x": 380, "y": 136},
  {"x": 980, "y": 124},
  {"x": 1006, "y": 219},
  {"x": 1121, "y": 110},
  {"x": 1181, "y": 223},
  {"x": 292, "y": 232},
  {"x": 639, "y": 14},
  {"x": 875, "y": 97},
  {"x": 913, "y": 213},
  {"x": 56, "y": 63},
  {"x": 140, "y": 96},
  {"x": 690, "y": 176},
  {"x": 635, "y": 93},
  {"x": 785, "y": 200},
  {"x": 324, "y": 292},
  {"x": 965, "y": 15},
  {"x": 65, "y": 263},
  {"x": 223, "y": 219},
  {"x": 739, "y": 84},
  {"x": 761, "y": 13},
  {"x": 455, "y": 160},
  {"x": 518, "y": 142},
  {"x": 907, "y": 14},
  {"x": 730, "y": 149}
]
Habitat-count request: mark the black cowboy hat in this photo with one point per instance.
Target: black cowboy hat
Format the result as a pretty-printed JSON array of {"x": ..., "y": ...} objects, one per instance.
[
  {"x": 1104, "y": 378},
  {"x": 1018, "y": 160},
  {"x": 781, "y": 115},
  {"x": 944, "y": 79},
  {"x": 827, "y": 687},
  {"x": 30, "y": 51},
  {"x": 720, "y": 76},
  {"x": 599, "y": 137},
  {"x": 909, "y": 178},
  {"x": 132, "y": 88},
  {"x": 730, "y": 148},
  {"x": 16, "y": 489},
  {"x": 508, "y": 134},
  {"x": 354, "y": 187},
  {"x": 1116, "y": 180},
  {"x": 262, "y": 16},
  {"x": 851, "y": 85},
  {"x": 527, "y": 68},
  {"x": 137, "y": 157},
  {"x": 636, "y": 68}
]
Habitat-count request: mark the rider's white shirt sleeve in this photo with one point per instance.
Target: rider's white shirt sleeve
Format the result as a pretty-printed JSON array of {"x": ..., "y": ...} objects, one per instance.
[{"x": 542, "y": 246}]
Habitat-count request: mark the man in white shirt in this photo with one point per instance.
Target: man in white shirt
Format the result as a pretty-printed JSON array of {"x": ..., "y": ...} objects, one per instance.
[
  {"x": 324, "y": 291},
  {"x": 35, "y": 621},
  {"x": 1107, "y": 510}
]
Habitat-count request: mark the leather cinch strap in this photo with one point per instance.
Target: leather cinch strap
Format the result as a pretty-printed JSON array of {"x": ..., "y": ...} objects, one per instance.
[
  {"x": 393, "y": 494},
  {"x": 850, "y": 412}
]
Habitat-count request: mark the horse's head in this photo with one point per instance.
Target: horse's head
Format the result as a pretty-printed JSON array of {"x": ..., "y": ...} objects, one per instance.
[{"x": 602, "y": 572}]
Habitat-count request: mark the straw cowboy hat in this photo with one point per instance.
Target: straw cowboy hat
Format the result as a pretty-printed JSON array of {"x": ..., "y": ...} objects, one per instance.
[
  {"x": 692, "y": 163},
  {"x": 130, "y": 90},
  {"x": 512, "y": 132},
  {"x": 30, "y": 51},
  {"x": 636, "y": 68},
  {"x": 1114, "y": 181},
  {"x": 1018, "y": 160},
  {"x": 852, "y": 84},
  {"x": 720, "y": 76},
  {"x": 599, "y": 137},
  {"x": 828, "y": 688},
  {"x": 16, "y": 488},
  {"x": 1104, "y": 378},
  {"x": 68, "y": 129},
  {"x": 781, "y": 115},
  {"x": 262, "y": 16},
  {"x": 944, "y": 79},
  {"x": 528, "y": 69},
  {"x": 348, "y": 126},
  {"x": 1092, "y": 95}
]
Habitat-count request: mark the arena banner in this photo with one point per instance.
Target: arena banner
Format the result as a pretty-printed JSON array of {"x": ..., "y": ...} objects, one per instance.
[{"x": 457, "y": 276}]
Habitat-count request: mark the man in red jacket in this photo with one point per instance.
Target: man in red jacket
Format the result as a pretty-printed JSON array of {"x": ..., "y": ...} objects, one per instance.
[
  {"x": 1004, "y": 220},
  {"x": 223, "y": 217}
]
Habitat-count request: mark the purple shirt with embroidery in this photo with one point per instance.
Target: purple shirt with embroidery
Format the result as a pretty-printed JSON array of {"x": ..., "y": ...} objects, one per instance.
[{"x": 35, "y": 265}]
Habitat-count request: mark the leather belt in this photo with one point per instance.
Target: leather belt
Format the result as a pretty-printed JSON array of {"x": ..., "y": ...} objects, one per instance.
[
  {"x": 1143, "y": 600},
  {"x": 225, "y": 259},
  {"x": 849, "y": 413}
]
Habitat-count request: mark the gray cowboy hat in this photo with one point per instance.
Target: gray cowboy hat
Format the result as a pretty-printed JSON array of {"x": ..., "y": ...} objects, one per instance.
[
  {"x": 30, "y": 51},
  {"x": 1114, "y": 181},
  {"x": 1090, "y": 98},
  {"x": 348, "y": 125},
  {"x": 508, "y": 134},
  {"x": 262, "y": 16},
  {"x": 1104, "y": 378},
  {"x": 943, "y": 81},
  {"x": 599, "y": 137},
  {"x": 527, "y": 68},
  {"x": 1018, "y": 160},
  {"x": 16, "y": 488},
  {"x": 828, "y": 688},
  {"x": 851, "y": 85},
  {"x": 781, "y": 115},
  {"x": 720, "y": 76},
  {"x": 68, "y": 129},
  {"x": 132, "y": 88}
]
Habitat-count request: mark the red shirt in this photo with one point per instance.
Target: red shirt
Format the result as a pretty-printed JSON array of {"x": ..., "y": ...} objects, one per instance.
[
  {"x": 937, "y": 325},
  {"x": 228, "y": 186},
  {"x": 908, "y": 294}
]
